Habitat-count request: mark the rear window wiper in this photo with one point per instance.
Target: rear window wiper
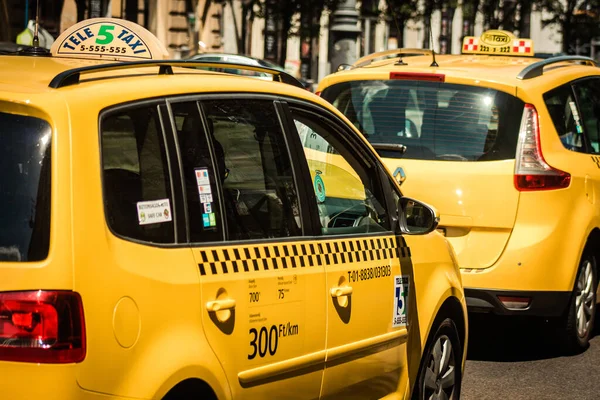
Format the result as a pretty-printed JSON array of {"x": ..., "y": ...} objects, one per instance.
[{"x": 397, "y": 147}]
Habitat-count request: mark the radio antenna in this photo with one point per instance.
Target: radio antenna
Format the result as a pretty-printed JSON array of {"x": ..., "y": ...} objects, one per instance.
[
  {"x": 36, "y": 38},
  {"x": 35, "y": 49},
  {"x": 434, "y": 63}
]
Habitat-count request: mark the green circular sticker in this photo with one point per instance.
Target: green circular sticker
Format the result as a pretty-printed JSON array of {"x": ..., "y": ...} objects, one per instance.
[{"x": 319, "y": 188}]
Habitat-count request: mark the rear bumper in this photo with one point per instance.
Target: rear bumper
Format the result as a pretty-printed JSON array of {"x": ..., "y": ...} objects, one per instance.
[
  {"x": 541, "y": 303},
  {"x": 27, "y": 381}
]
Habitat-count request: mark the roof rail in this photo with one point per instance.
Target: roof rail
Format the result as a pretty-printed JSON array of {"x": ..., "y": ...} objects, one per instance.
[
  {"x": 72, "y": 76},
  {"x": 537, "y": 69},
  {"x": 366, "y": 60}
]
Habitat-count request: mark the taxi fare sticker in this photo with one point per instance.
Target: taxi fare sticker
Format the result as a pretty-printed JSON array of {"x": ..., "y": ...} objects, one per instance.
[
  {"x": 497, "y": 42},
  {"x": 108, "y": 38},
  {"x": 400, "y": 301},
  {"x": 275, "y": 322}
]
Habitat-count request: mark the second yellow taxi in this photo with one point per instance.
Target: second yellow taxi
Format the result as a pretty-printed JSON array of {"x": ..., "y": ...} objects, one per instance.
[{"x": 507, "y": 147}]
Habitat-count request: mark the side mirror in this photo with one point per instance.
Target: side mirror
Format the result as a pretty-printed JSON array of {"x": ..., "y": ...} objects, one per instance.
[{"x": 416, "y": 218}]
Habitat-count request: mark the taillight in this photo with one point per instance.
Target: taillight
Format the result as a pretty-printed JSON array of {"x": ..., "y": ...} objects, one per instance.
[
  {"x": 318, "y": 93},
  {"x": 42, "y": 327},
  {"x": 531, "y": 170}
]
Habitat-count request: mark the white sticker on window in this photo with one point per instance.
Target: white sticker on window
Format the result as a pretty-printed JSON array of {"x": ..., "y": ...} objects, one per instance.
[
  {"x": 400, "y": 301},
  {"x": 204, "y": 189},
  {"x": 206, "y": 198},
  {"x": 154, "y": 212},
  {"x": 202, "y": 176},
  {"x": 207, "y": 208}
]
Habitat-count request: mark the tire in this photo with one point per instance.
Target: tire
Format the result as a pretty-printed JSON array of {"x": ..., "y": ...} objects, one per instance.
[
  {"x": 578, "y": 323},
  {"x": 440, "y": 376}
]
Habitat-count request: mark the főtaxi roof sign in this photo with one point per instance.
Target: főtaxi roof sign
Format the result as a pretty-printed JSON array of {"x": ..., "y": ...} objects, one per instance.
[
  {"x": 109, "y": 39},
  {"x": 497, "y": 42}
]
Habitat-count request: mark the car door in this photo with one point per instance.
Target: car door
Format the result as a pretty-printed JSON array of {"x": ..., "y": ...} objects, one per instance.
[
  {"x": 588, "y": 101},
  {"x": 367, "y": 265},
  {"x": 263, "y": 293}
]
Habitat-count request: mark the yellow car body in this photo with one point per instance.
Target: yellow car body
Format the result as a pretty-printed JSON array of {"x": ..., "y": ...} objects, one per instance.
[
  {"x": 93, "y": 306},
  {"x": 524, "y": 218}
]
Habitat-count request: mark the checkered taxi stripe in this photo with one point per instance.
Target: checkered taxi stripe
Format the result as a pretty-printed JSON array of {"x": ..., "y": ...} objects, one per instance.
[{"x": 237, "y": 259}]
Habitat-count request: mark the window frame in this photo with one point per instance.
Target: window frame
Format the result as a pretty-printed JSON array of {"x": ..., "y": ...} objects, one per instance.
[
  {"x": 570, "y": 85},
  {"x": 305, "y": 217},
  {"x": 310, "y": 223},
  {"x": 159, "y": 104},
  {"x": 368, "y": 160},
  {"x": 589, "y": 149}
]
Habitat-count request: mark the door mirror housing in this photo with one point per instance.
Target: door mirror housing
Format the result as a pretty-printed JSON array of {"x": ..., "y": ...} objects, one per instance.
[{"x": 416, "y": 217}]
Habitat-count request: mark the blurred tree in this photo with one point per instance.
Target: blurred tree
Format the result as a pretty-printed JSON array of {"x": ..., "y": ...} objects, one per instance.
[
  {"x": 284, "y": 12},
  {"x": 401, "y": 11},
  {"x": 448, "y": 8},
  {"x": 429, "y": 6},
  {"x": 577, "y": 20},
  {"x": 469, "y": 9},
  {"x": 524, "y": 24},
  {"x": 250, "y": 10}
]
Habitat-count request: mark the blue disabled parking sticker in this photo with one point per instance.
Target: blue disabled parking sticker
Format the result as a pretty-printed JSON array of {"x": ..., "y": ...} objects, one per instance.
[{"x": 400, "y": 301}]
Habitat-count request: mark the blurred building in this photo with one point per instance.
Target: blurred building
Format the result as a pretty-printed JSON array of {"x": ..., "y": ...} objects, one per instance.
[{"x": 235, "y": 26}]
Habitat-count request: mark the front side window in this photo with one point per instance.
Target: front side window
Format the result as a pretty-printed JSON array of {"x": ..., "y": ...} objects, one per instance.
[
  {"x": 255, "y": 170},
  {"x": 588, "y": 98},
  {"x": 24, "y": 188},
  {"x": 434, "y": 120},
  {"x": 348, "y": 197},
  {"x": 137, "y": 189},
  {"x": 562, "y": 107}
]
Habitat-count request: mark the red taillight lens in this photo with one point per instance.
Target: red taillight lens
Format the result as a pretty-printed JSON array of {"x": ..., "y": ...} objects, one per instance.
[
  {"x": 531, "y": 170},
  {"x": 418, "y": 76},
  {"x": 542, "y": 182},
  {"x": 42, "y": 327},
  {"x": 318, "y": 94}
]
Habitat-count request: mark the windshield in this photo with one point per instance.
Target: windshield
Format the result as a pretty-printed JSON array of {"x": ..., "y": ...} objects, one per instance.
[
  {"x": 434, "y": 120},
  {"x": 24, "y": 188}
]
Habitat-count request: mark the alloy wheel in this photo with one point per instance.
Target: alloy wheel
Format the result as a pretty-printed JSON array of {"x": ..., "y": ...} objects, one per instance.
[
  {"x": 585, "y": 303},
  {"x": 440, "y": 374}
]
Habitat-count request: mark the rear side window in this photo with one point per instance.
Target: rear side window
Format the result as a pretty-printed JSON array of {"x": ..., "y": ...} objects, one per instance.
[
  {"x": 434, "y": 120},
  {"x": 24, "y": 188},
  {"x": 137, "y": 189},
  {"x": 562, "y": 108},
  {"x": 588, "y": 99}
]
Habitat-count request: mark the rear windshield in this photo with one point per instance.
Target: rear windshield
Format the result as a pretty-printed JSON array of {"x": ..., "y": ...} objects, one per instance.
[
  {"x": 434, "y": 120},
  {"x": 24, "y": 188}
]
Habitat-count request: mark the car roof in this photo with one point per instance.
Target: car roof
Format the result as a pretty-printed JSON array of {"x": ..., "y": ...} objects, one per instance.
[
  {"x": 40, "y": 71},
  {"x": 494, "y": 70}
]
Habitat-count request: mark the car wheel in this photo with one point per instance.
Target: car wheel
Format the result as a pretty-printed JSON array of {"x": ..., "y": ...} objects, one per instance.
[
  {"x": 582, "y": 308},
  {"x": 440, "y": 374}
]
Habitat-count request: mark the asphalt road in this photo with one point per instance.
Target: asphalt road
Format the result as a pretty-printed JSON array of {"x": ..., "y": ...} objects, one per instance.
[{"x": 519, "y": 360}]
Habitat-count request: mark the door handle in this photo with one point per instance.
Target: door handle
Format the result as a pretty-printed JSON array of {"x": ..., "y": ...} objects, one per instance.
[
  {"x": 219, "y": 305},
  {"x": 341, "y": 291}
]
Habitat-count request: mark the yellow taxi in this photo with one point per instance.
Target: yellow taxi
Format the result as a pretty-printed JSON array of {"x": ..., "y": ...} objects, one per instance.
[
  {"x": 174, "y": 233},
  {"x": 506, "y": 146}
]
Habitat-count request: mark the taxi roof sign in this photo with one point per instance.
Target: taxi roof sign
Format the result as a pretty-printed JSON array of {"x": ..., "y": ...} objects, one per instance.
[
  {"x": 497, "y": 42},
  {"x": 109, "y": 39}
]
